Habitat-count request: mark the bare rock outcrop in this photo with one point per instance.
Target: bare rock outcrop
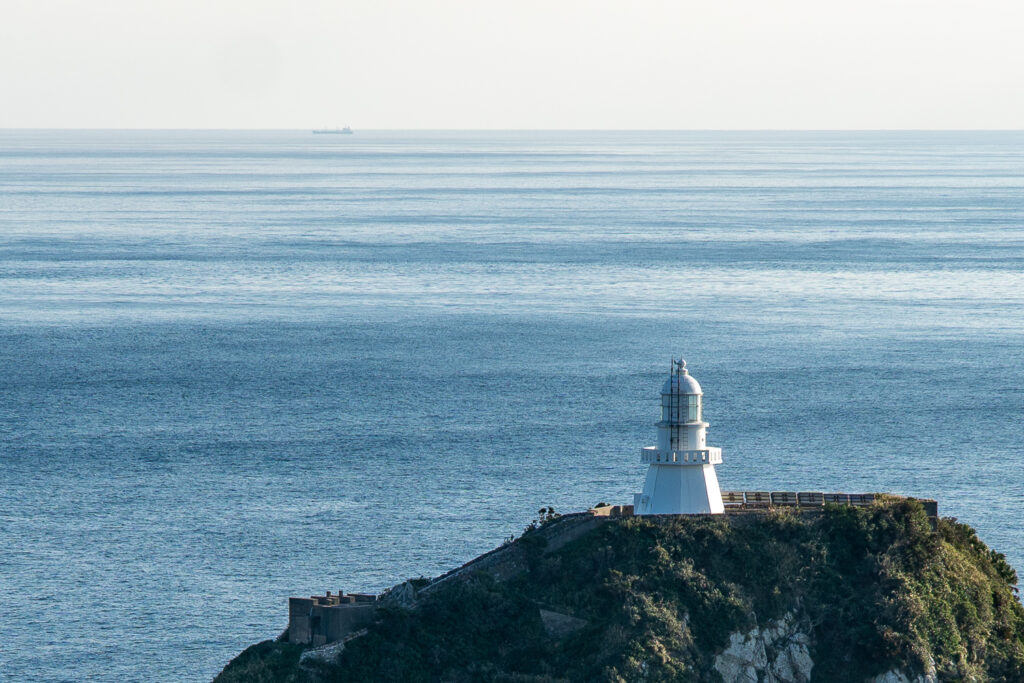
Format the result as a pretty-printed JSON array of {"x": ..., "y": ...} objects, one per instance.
[
  {"x": 777, "y": 653},
  {"x": 895, "y": 676}
]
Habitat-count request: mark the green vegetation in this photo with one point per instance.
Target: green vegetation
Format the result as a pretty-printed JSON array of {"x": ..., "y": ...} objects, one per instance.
[
  {"x": 266, "y": 661},
  {"x": 545, "y": 516},
  {"x": 875, "y": 589}
]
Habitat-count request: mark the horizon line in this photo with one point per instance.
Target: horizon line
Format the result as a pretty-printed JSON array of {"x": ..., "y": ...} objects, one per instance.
[{"x": 527, "y": 130}]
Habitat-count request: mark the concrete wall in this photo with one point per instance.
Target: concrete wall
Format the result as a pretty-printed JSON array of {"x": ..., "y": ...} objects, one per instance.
[
  {"x": 318, "y": 621},
  {"x": 507, "y": 561},
  {"x": 338, "y": 622},
  {"x": 299, "y": 610}
]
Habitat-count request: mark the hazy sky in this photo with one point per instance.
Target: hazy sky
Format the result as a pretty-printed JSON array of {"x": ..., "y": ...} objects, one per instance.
[{"x": 514, "y": 64}]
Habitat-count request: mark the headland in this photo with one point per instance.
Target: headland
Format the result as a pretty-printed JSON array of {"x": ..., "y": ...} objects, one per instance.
[{"x": 882, "y": 591}]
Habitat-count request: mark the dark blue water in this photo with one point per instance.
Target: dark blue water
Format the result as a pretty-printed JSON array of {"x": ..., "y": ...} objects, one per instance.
[{"x": 236, "y": 367}]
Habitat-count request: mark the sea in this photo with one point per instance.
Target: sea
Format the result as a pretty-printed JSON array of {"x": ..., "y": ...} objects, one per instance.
[{"x": 238, "y": 366}]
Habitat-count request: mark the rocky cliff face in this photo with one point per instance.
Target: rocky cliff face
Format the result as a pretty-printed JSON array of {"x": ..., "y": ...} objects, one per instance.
[
  {"x": 780, "y": 652},
  {"x": 877, "y": 595},
  {"x": 777, "y": 653}
]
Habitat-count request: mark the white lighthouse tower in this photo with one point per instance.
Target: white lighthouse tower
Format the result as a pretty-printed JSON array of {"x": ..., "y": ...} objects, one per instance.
[{"x": 681, "y": 478}]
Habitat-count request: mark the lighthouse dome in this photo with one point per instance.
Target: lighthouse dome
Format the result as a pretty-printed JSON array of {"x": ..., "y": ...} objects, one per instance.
[{"x": 680, "y": 381}]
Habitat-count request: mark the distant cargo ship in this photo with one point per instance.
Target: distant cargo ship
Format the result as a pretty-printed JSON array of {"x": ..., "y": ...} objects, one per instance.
[{"x": 333, "y": 131}]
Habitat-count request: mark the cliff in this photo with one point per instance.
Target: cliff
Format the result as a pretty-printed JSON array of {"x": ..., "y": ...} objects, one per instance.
[{"x": 880, "y": 594}]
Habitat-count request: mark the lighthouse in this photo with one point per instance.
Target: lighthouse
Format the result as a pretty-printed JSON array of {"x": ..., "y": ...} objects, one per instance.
[{"x": 681, "y": 468}]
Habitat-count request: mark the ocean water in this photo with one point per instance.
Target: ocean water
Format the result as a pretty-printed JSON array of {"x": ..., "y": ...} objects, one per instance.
[{"x": 239, "y": 366}]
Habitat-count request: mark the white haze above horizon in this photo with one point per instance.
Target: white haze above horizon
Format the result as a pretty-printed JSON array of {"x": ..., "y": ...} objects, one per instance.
[{"x": 646, "y": 64}]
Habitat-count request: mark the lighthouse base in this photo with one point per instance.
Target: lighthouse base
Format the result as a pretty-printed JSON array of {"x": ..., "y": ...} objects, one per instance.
[{"x": 679, "y": 490}]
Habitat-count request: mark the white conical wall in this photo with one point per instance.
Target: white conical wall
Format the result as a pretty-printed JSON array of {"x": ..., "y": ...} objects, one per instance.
[{"x": 676, "y": 490}]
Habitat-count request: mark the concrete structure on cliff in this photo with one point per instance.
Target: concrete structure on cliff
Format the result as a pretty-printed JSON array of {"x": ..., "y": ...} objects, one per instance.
[
  {"x": 681, "y": 475},
  {"x": 323, "y": 619}
]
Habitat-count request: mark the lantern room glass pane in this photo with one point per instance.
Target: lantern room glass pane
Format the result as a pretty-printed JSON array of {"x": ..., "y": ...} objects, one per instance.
[{"x": 692, "y": 408}]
